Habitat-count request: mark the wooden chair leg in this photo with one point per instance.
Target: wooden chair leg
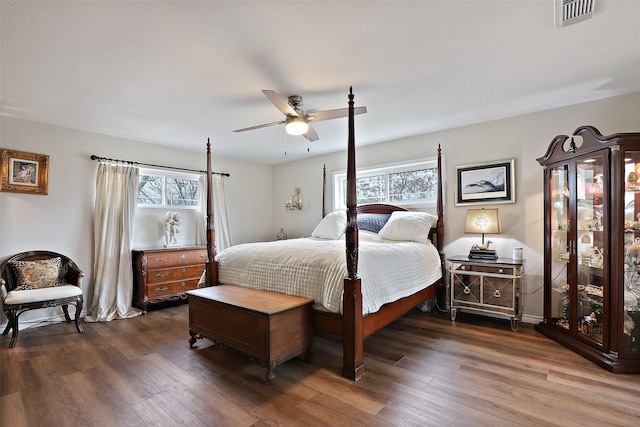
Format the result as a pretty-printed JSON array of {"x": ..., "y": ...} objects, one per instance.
[
  {"x": 8, "y": 327},
  {"x": 12, "y": 317},
  {"x": 77, "y": 317},
  {"x": 65, "y": 310}
]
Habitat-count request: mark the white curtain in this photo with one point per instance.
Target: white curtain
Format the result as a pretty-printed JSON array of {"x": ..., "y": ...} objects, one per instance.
[
  {"x": 115, "y": 206},
  {"x": 220, "y": 220}
]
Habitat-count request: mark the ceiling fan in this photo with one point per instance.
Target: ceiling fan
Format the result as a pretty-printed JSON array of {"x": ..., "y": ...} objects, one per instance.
[{"x": 297, "y": 121}]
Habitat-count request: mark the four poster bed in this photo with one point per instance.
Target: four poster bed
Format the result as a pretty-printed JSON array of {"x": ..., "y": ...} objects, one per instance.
[{"x": 355, "y": 313}]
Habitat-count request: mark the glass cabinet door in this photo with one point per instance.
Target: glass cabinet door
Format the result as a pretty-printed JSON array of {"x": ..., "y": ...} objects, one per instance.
[
  {"x": 560, "y": 256},
  {"x": 590, "y": 253},
  {"x": 631, "y": 293}
]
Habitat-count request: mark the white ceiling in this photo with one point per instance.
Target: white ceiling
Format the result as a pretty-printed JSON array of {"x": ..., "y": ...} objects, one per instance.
[{"x": 176, "y": 73}]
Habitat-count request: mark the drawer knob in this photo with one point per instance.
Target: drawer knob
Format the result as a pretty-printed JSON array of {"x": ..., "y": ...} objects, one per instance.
[
  {"x": 183, "y": 284},
  {"x": 496, "y": 293},
  {"x": 500, "y": 270},
  {"x": 466, "y": 290},
  {"x": 463, "y": 267}
]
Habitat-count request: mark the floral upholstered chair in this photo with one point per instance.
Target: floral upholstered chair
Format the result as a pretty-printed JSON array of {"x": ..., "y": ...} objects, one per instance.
[{"x": 39, "y": 279}]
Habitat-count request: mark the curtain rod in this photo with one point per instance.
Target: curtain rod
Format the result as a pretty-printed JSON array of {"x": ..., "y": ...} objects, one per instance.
[{"x": 130, "y": 162}]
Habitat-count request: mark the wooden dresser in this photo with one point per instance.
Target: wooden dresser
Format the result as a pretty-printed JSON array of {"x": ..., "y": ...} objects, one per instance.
[{"x": 162, "y": 274}]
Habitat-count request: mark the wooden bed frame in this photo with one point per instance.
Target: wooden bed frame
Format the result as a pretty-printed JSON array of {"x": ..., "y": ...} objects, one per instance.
[{"x": 352, "y": 326}]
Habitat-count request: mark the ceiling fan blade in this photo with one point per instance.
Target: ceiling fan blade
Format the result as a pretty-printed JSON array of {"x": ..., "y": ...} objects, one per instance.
[
  {"x": 334, "y": 114},
  {"x": 311, "y": 134},
  {"x": 280, "y": 103},
  {"x": 260, "y": 126}
]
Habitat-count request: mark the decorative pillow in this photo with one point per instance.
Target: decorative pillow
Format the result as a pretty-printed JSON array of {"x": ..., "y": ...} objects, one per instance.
[
  {"x": 372, "y": 222},
  {"x": 408, "y": 226},
  {"x": 332, "y": 226},
  {"x": 37, "y": 274}
]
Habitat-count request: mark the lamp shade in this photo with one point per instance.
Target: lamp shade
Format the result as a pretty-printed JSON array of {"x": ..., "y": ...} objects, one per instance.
[
  {"x": 296, "y": 125},
  {"x": 483, "y": 221}
]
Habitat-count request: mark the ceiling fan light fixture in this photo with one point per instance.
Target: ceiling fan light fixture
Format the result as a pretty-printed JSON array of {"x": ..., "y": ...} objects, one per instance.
[{"x": 296, "y": 125}]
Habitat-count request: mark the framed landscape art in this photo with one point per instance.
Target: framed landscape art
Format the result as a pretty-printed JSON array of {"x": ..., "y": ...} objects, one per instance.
[
  {"x": 22, "y": 172},
  {"x": 489, "y": 182}
]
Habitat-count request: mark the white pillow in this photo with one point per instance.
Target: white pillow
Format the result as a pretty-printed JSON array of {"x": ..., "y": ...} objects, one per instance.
[
  {"x": 408, "y": 226},
  {"x": 332, "y": 226}
]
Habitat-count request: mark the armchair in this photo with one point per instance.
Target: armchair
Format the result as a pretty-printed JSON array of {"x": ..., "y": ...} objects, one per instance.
[{"x": 39, "y": 279}]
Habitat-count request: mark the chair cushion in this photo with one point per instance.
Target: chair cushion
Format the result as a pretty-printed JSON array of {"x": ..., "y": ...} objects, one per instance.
[
  {"x": 37, "y": 274},
  {"x": 42, "y": 294}
]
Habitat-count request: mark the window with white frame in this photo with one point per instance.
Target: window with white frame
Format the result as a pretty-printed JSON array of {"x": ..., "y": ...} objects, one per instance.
[
  {"x": 407, "y": 184},
  {"x": 162, "y": 189}
]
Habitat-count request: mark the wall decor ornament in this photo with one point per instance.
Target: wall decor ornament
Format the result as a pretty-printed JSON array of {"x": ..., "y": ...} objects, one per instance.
[
  {"x": 489, "y": 182},
  {"x": 295, "y": 202},
  {"x": 23, "y": 172}
]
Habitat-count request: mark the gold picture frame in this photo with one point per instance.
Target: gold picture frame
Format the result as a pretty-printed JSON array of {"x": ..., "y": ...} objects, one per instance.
[{"x": 22, "y": 172}]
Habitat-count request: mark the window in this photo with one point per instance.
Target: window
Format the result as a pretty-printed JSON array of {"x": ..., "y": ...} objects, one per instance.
[
  {"x": 162, "y": 189},
  {"x": 412, "y": 184}
]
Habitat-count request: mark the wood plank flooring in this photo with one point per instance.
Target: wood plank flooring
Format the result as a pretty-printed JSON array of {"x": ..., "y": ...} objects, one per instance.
[{"x": 423, "y": 370}]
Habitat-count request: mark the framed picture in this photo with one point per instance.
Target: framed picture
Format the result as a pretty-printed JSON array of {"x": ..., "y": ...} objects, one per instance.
[
  {"x": 489, "y": 182},
  {"x": 23, "y": 172}
]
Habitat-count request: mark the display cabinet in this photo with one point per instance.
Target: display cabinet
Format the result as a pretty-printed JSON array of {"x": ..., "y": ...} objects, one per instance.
[{"x": 592, "y": 243}]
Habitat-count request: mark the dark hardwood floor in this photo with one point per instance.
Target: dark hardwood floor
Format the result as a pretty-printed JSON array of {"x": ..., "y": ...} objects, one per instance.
[{"x": 423, "y": 370}]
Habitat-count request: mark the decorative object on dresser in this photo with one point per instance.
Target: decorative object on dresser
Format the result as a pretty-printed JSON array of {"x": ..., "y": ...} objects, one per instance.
[
  {"x": 172, "y": 226},
  {"x": 487, "y": 286},
  {"x": 481, "y": 221},
  {"x": 39, "y": 279},
  {"x": 281, "y": 235},
  {"x": 591, "y": 276},
  {"x": 164, "y": 274}
]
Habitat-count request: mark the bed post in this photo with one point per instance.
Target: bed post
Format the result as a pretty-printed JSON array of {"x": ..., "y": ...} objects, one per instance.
[
  {"x": 211, "y": 271},
  {"x": 324, "y": 189},
  {"x": 353, "y": 335},
  {"x": 441, "y": 295}
]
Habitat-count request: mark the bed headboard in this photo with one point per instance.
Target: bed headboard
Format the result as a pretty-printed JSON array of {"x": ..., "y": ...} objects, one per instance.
[{"x": 436, "y": 234}]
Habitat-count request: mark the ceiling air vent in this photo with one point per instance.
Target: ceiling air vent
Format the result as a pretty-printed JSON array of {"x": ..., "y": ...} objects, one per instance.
[{"x": 569, "y": 12}]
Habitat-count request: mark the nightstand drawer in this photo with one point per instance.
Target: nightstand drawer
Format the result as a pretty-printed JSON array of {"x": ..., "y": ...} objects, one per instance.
[{"x": 508, "y": 271}]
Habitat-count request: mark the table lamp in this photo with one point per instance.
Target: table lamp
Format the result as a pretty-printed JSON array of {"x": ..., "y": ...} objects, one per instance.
[{"x": 481, "y": 221}]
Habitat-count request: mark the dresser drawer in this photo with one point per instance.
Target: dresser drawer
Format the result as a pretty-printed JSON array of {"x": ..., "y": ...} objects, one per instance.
[
  {"x": 169, "y": 274},
  {"x": 168, "y": 288},
  {"x": 172, "y": 259}
]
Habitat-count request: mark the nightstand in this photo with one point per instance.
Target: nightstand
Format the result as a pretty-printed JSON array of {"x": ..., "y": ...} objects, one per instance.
[{"x": 483, "y": 286}]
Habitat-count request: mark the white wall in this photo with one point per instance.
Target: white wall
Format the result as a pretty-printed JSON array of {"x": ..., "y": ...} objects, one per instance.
[
  {"x": 524, "y": 138},
  {"x": 62, "y": 220}
]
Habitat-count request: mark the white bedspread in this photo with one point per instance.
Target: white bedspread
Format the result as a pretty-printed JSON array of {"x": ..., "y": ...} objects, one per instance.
[{"x": 316, "y": 268}]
